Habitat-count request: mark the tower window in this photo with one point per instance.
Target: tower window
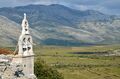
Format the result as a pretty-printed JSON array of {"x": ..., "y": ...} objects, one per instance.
[
  {"x": 24, "y": 65},
  {"x": 29, "y": 39},
  {"x": 24, "y": 39},
  {"x": 25, "y": 29},
  {"x": 29, "y": 48},
  {"x": 24, "y": 49},
  {"x": 25, "y": 22}
]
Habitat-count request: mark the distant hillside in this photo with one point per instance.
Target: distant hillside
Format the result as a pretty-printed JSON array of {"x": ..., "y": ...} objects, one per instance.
[
  {"x": 53, "y": 15},
  {"x": 59, "y": 25},
  {"x": 9, "y": 32}
]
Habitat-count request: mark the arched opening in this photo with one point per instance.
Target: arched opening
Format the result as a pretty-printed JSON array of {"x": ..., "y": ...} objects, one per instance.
[
  {"x": 28, "y": 39},
  {"x": 24, "y": 49},
  {"x": 23, "y": 39}
]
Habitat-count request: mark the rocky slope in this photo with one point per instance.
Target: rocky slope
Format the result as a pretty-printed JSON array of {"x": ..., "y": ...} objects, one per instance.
[
  {"x": 9, "y": 31},
  {"x": 59, "y": 25}
]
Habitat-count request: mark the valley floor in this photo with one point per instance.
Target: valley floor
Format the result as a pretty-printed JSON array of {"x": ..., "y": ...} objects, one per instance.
[
  {"x": 93, "y": 62},
  {"x": 73, "y": 64}
]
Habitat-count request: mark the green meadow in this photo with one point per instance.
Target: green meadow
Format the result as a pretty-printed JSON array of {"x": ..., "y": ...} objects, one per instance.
[
  {"x": 86, "y": 62},
  {"x": 73, "y": 64}
]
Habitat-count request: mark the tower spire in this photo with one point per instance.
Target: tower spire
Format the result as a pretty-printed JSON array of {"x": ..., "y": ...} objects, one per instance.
[
  {"x": 25, "y": 17},
  {"x": 25, "y": 25}
]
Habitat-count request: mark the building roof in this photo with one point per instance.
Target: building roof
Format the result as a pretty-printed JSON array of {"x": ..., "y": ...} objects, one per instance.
[{"x": 5, "y": 51}]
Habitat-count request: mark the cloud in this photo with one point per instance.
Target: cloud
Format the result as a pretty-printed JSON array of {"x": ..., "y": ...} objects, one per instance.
[
  {"x": 106, "y": 6},
  {"x": 112, "y": 4}
]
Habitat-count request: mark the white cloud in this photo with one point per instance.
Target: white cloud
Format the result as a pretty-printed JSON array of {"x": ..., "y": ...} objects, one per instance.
[
  {"x": 107, "y": 6},
  {"x": 82, "y": 7}
]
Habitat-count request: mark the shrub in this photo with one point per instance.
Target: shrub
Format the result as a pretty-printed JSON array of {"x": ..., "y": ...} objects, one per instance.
[{"x": 42, "y": 71}]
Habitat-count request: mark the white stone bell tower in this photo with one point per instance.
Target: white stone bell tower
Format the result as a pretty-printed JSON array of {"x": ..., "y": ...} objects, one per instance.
[
  {"x": 24, "y": 54},
  {"x": 25, "y": 40}
]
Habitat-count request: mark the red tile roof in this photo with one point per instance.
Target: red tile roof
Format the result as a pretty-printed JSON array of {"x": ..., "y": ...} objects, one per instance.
[{"x": 5, "y": 51}]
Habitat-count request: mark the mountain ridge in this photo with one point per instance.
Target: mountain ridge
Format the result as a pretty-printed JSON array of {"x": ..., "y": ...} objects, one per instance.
[{"x": 60, "y": 25}]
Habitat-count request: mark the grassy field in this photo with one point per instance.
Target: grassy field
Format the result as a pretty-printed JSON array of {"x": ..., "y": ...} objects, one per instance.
[
  {"x": 81, "y": 62},
  {"x": 86, "y": 65}
]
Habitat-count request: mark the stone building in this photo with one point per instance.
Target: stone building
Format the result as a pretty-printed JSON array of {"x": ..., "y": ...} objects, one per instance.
[{"x": 19, "y": 65}]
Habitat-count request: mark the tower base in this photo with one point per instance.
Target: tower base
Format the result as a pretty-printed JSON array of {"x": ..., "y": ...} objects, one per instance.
[{"x": 25, "y": 64}]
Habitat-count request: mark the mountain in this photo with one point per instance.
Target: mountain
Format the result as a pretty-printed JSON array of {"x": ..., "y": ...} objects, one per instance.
[
  {"x": 60, "y": 25},
  {"x": 9, "y": 31},
  {"x": 54, "y": 14}
]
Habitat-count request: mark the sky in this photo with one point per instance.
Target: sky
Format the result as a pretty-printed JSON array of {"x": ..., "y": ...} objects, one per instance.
[{"x": 106, "y": 6}]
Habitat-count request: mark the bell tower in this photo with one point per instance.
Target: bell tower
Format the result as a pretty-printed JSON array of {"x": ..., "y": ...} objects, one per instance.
[
  {"x": 25, "y": 40},
  {"x": 24, "y": 54}
]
